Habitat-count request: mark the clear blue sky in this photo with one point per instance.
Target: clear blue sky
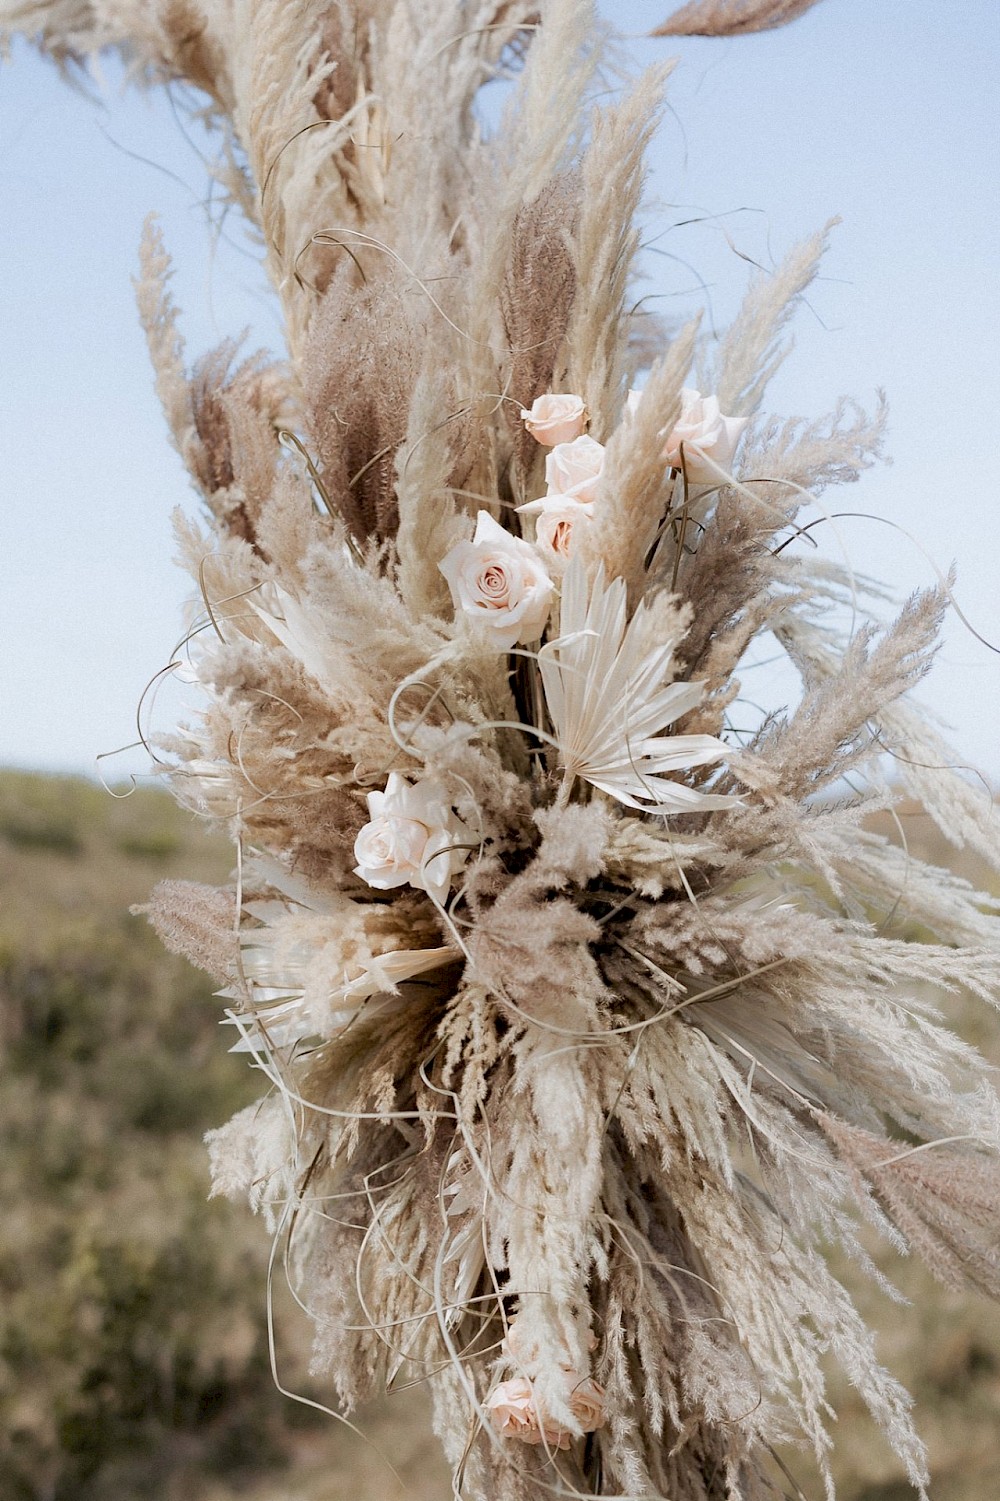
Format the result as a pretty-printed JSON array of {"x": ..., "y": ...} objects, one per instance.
[{"x": 887, "y": 114}]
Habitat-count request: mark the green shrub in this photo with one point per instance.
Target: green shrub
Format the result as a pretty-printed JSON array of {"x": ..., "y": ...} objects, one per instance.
[{"x": 157, "y": 845}]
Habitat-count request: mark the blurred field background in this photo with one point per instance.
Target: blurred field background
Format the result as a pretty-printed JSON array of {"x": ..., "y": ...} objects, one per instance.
[{"x": 133, "y": 1343}]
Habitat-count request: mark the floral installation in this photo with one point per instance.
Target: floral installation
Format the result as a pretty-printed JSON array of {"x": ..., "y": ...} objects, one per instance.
[{"x": 597, "y": 1002}]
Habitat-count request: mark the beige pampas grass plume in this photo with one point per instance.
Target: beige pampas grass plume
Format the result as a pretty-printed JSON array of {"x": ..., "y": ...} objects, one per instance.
[{"x": 732, "y": 17}]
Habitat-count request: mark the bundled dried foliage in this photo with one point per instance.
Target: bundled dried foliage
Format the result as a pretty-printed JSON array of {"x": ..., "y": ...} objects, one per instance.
[{"x": 582, "y": 1037}]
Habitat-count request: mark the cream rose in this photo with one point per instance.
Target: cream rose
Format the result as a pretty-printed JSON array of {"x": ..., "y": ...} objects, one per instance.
[
  {"x": 705, "y": 434},
  {"x": 499, "y": 581},
  {"x": 574, "y": 469},
  {"x": 559, "y": 519},
  {"x": 555, "y": 419},
  {"x": 410, "y": 837}
]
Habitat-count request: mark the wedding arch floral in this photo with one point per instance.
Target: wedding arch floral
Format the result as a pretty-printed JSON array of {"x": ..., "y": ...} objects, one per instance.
[{"x": 583, "y": 1011}]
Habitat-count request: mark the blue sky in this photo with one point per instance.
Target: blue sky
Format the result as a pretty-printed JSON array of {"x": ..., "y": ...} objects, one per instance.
[{"x": 888, "y": 115}]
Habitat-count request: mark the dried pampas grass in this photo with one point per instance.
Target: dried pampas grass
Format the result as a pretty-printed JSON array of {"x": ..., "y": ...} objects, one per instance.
[
  {"x": 732, "y": 17},
  {"x": 584, "y": 1010}
]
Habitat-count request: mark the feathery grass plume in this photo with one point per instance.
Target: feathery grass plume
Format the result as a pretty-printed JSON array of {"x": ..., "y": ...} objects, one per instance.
[
  {"x": 430, "y": 520},
  {"x": 605, "y": 246},
  {"x": 830, "y": 731},
  {"x": 360, "y": 370},
  {"x": 537, "y": 298},
  {"x": 749, "y": 352},
  {"x": 528, "y": 160},
  {"x": 603, "y": 1014},
  {"x": 159, "y": 42},
  {"x": 636, "y": 491},
  {"x": 196, "y": 921},
  {"x": 223, "y": 424},
  {"x": 65, "y": 29},
  {"x": 732, "y": 17},
  {"x": 945, "y": 1204},
  {"x": 158, "y": 314},
  {"x": 280, "y": 70}
]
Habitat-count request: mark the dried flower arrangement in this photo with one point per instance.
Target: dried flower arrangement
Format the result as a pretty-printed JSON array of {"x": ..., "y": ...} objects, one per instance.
[{"x": 582, "y": 1012}]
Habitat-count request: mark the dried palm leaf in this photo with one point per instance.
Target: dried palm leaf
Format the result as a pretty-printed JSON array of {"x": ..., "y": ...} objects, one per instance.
[{"x": 609, "y": 693}]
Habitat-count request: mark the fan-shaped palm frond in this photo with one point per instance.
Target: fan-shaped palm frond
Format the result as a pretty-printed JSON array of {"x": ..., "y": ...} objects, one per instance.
[{"x": 609, "y": 694}]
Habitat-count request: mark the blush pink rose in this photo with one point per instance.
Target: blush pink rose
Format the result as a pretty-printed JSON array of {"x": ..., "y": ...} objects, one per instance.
[
  {"x": 499, "y": 581},
  {"x": 705, "y": 433},
  {"x": 515, "y": 1413},
  {"x": 555, "y": 419},
  {"x": 586, "y": 1403},
  {"x": 574, "y": 469},
  {"x": 559, "y": 520},
  {"x": 410, "y": 837}
]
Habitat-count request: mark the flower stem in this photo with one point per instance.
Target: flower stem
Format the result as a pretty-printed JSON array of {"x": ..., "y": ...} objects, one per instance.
[{"x": 565, "y": 788}]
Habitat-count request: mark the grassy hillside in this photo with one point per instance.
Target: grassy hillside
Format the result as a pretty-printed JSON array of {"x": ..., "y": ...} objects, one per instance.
[{"x": 133, "y": 1355}]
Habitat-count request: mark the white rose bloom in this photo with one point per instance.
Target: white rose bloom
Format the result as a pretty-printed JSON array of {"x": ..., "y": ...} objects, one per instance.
[
  {"x": 559, "y": 520},
  {"x": 499, "y": 581},
  {"x": 555, "y": 419},
  {"x": 412, "y": 825},
  {"x": 574, "y": 469},
  {"x": 705, "y": 433}
]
